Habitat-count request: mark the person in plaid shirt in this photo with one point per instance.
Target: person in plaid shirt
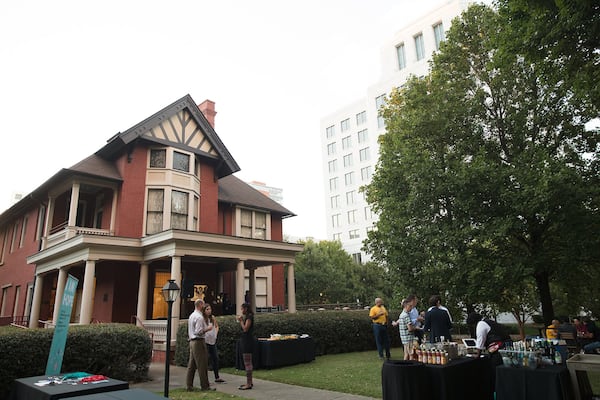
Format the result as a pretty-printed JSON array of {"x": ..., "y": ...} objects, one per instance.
[{"x": 406, "y": 327}]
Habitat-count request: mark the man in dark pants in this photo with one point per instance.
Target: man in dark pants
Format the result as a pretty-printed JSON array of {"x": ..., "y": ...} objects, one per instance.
[
  {"x": 197, "y": 328},
  {"x": 379, "y": 319}
]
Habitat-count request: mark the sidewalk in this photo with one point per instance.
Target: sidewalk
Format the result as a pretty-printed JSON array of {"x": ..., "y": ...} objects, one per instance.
[{"x": 262, "y": 390}]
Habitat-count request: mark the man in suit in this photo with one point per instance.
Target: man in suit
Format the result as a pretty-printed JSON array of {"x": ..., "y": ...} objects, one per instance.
[{"x": 437, "y": 321}]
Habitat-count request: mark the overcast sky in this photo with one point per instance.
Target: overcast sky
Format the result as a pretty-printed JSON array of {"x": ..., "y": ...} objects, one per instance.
[{"x": 74, "y": 73}]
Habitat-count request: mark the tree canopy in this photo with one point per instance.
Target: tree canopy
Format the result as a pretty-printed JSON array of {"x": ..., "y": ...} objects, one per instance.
[{"x": 487, "y": 178}]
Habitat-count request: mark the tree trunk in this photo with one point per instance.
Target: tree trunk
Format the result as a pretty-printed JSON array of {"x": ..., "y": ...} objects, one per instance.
[{"x": 543, "y": 286}]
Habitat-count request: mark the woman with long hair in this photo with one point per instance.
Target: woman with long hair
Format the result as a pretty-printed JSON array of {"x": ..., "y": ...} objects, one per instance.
[
  {"x": 246, "y": 321},
  {"x": 210, "y": 338}
]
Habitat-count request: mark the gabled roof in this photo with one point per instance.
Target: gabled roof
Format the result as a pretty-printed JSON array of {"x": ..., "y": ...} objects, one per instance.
[
  {"x": 235, "y": 191},
  {"x": 200, "y": 137}
]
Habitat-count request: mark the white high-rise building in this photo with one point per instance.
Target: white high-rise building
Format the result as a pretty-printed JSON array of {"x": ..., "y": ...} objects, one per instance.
[{"x": 349, "y": 135}]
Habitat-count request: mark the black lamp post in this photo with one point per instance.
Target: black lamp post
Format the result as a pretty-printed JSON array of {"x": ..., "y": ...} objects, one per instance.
[{"x": 170, "y": 292}]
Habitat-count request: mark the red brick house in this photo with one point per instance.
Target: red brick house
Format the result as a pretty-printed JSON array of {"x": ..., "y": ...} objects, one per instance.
[{"x": 157, "y": 202}]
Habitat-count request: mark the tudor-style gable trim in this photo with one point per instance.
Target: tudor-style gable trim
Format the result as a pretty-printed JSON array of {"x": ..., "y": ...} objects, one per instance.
[{"x": 181, "y": 125}]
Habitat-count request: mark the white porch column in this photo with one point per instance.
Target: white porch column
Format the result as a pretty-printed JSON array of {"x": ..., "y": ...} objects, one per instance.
[
  {"x": 142, "y": 304},
  {"x": 291, "y": 289},
  {"x": 48, "y": 221},
  {"x": 60, "y": 289},
  {"x": 239, "y": 287},
  {"x": 252, "y": 288},
  {"x": 113, "y": 212},
  {"x": 74, "y": 204},
  {"x": 176, "y": 275},
  {"x": 87, "y": 295},
  {"x": 34, "y": 316}
]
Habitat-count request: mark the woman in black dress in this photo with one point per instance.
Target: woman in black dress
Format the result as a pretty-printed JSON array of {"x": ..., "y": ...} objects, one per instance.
[{"x": 247, "y": 341}]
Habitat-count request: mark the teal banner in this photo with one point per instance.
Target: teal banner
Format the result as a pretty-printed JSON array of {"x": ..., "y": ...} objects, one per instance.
[{"x": 59, "y": 339}]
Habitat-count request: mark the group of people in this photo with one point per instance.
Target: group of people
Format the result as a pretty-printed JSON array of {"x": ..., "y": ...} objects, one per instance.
[
  {"x": 203, "y": 330},
  {"x": 412, "y": 324},
  {"x": 583, "y": 331}
]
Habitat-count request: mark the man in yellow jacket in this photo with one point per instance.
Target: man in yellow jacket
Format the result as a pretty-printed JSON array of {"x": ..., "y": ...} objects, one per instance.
[{"x": 379, "y": 319}]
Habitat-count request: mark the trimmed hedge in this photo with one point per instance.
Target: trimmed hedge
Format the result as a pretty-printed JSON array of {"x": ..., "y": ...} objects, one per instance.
[
  {"x": 333, "y": 332},
  {"x": 121, "y": 351}
]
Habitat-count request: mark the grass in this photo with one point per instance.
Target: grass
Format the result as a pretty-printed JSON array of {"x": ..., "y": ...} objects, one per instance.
[{"x": 356, "y": 373}]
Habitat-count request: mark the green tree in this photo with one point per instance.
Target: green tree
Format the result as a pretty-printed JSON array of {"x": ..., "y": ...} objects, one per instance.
[
  {"x": 563, "y": 36},
  {"x": 486, "y": 176},
  {"x": 323, "y": 273}
]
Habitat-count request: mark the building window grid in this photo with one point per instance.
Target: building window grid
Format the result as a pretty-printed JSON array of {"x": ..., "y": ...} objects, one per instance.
[
  {"x": 353, "y": 234},
  {"x": 345, "y": 125},
  {"x": 330, "y": 131},
  {"x": 400, "y": 53},
  {"x": 352, "y": 216},
  {"x": 419, "y": 46},
  {"x": 335, "y": 220},
  {"x": 361, "y": 118},
  {"x": 363, "y": 136},
  {"x": 335, "y": 201},
  {"x": 333, "y": 184},
  {"x": 438, "y": 33},
  {"x": 337, "y": 237},
  {"x": 380, "y": 102},
  {"x": 331, "y": 148},
  {"x": 346, "y": 142},
  {"x": 363, "y": 154},
  {"x": 350, "y": 197},
  {"x": 332, "y": 166},
  {"x": 348, "y": 160},
  {"x": 349, "y": 178},
  {"x": 365, "y": 173}
]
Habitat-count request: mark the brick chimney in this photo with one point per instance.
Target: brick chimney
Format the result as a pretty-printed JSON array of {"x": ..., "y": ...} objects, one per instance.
[{"x": 207, "y": 108}]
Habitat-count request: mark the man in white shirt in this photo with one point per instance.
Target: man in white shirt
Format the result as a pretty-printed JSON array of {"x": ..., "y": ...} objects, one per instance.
[{"x": 197, "y": 328}]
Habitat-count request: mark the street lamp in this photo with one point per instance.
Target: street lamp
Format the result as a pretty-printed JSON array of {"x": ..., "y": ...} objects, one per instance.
[{"x": 170, "y": 292}]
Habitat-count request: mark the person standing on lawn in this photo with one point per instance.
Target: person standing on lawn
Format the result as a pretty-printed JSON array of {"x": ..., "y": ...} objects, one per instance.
[
  {"x": 211, "y": 341},
  {"x": 379, "y": 319},
  {"x": 406, "y": 327}
]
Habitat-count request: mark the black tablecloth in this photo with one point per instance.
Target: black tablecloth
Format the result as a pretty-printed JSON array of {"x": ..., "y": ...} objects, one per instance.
[
  {"x": 461, "y": 379},
  {"x": 550, "y": 382},
  {"x": 278, "y": 353},
  {"x": 128, "y": 394},
  {"x": 25, "y": 388}
]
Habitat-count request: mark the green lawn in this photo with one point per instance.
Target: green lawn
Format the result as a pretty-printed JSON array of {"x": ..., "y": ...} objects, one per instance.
[{"x": 356, "y": 373}]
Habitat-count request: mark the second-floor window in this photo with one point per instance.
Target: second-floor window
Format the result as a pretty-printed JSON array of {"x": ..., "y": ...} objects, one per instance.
[
  {"x": 154, "y": 217},
  {"x": 179, "y": 209},
  {"x": 253, "y": 224}
]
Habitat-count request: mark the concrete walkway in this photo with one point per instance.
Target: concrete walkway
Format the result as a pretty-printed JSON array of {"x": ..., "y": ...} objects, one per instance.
[{"x": 262, "y": 390}]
